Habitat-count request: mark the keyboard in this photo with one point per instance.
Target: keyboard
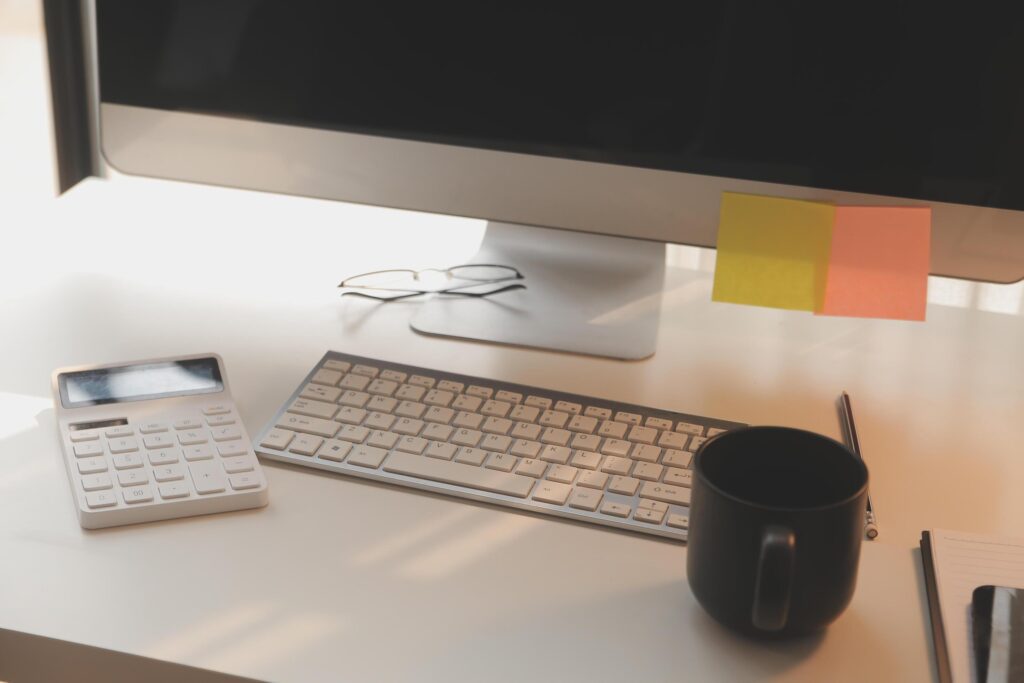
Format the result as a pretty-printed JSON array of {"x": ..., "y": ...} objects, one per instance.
[{"x": 576, "y": 457}]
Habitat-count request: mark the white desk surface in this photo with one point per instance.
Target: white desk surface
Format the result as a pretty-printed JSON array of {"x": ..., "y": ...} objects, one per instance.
[{"x": 343, "y": 580}]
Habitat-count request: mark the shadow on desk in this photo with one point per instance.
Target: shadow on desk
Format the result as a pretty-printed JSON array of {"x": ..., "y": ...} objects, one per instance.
[{"x": 47, "y": 659}]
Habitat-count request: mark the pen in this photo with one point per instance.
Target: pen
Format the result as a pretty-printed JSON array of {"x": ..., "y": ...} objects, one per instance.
[{"x": 850, "y": 433}]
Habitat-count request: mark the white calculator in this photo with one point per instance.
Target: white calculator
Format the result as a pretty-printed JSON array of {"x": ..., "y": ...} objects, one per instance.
[{"x": 154, "y": 439}]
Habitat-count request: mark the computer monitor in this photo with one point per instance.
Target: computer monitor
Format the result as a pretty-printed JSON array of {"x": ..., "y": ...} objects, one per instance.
[{"x": 601, "y": 133}]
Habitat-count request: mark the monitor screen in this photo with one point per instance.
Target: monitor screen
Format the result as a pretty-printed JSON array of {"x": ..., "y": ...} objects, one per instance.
[{"x": 907, "y": 99}]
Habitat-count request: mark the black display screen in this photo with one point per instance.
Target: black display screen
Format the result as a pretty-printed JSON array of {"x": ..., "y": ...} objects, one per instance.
[
  {"x": 911, "y": 99},
  {"x": 140, "y": 382}
]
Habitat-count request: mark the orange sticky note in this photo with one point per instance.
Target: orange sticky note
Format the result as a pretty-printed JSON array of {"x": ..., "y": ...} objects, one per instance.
[{"x": 879, "y": 262}]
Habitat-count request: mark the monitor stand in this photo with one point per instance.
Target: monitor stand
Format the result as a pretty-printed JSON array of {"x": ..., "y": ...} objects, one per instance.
[{"x": 585, "y": 293}]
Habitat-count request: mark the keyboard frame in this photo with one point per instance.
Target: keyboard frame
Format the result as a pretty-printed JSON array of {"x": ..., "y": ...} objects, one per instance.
[{"x": 527, "y": 504}]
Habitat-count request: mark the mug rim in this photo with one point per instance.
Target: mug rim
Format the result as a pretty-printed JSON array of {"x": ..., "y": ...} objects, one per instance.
[{"x": 779, "y": 508}]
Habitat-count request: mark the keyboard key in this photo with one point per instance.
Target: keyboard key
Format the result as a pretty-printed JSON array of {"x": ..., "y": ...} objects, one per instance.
[
  {"x": 166, "y": 456},
  {"x": 552, "y": 492},
  {"x": 558, "y": 437},
  {"x": 643, "y": 435},
  {"x": 658, "y": 423},
  {"x": 508, "y": 396},
  {"x": 334, "y": 450},
  {"x": 616, "y": 509},
  {"x": 410, "y": 392},
  {"x": 468, "y": 420},
  {"x": 554, "y": 418},
  {"x": 339, "y": 365},
  {"x": 318, "y": 392},
  {"x": 410, "y": 409},
  {"x": 132, "y": 478},
  {"x": 594, "y": 480},
  {"x": 556, "y": 454},
  {"x": 677, "y": 495},
  {"x": 616, "y": 465},
  {"x": 502, "y": 462},
  {"x": 675, "y": 458},
  {"x": 628, "y": 418},
  {"x": 466, "y": 437},
  {"x": 524, "y": 413},
  {"x": 442, "y": 451},
  {"x": 649, "y": 516},
  {"x": 642, "y": 451},
  {"x": 137, "y": 494},
  {"x": 96, "y": 482},
  {"x": 439, "y": 414},
  {"x": 296, "y": 423},
  {"x": 495, "y": 442},
  {"x": 599, "y": 413},
  {"x": 482, "y": 479},
  {"x": 195, "y": 453},
  {"x": 586, "y": 442},
  {"x": 438, "y": 397},
  {"x": 127, "y": 461},
  {"x": 526, "y": 430},
  {"x": 88, "y": 449},
  {"x": 354, "y": 383},
  {"x": 411, "y": 444},
  {"x": 178, "y": 489},
  {"x": 538, "y": 402},
  {"x": 471, "y": 456},
  {"x": 379, "y": 421},
  {"x": 208, "y": 476},
  {"x": 100, "y": 499},
  {"x": 584, "y": 499},
  {"x": 689, "y": 428},
  {"x": 586, "y": 459},
  {"x": 647, "y": 471},
  {"x": 525, "y": 448},
  {"x": 408, "y": 426},
  {"x": 328, "y": 377},
  {"x": 382, "y": 387},
  {"x": 449, "y": 385},
  {"x": 420, "y": 380},
  {"x": 382, "y": 439},
  {"x": 92, "y": 465},
  {"x": 482, "y": 392},
  {"x": 470, "y": 404},
  {"x": 382, "y": 404},
  {"x": 568, "y": 407},
  {"x": 240, "y": 464},
  {"x": 366, "y": 370},
  {"x": 351, "y": 416},
  {"x": 353, "y": 433},
  {"x": 616, "y": 447},
  {"x": 647, "y": 504},
  {"x": 582, "y": 423},
  {"x": 129, "y": 444},
  {"x": 304, "y": 444},
  {"x": 367, "y": 456},
  {"x": 497, "y": 425},
  {"x": 674, "y": 440},
  {"x": 192, "y": 438},
  {"x": 168, "y": 473},
  {"x": 393, "y": 375},
  {"x": 437, "y": 432},
  {"x": 562, "y": 473},
  {"x": 696, "y": 442},
  {"x": 278, "y": 439},
  {"x": 677, "y": 477},
  {"x": 625, "y": 485},
  {"x": 496, "y": 408},
  {"x": 678, "y": 521},
  {"x": 241, "y": 482},
  {"x": 356, "y": 399},
  {"x": 531, "y": 468},
  {"x": 612, "y": 430}
]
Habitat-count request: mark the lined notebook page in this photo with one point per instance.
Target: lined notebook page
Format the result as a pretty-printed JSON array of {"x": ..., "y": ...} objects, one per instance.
[{"x": 962, "y": 563}]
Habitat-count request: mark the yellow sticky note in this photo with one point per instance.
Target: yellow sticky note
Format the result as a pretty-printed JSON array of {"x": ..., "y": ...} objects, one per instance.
[{"x": 773, "y": 251}]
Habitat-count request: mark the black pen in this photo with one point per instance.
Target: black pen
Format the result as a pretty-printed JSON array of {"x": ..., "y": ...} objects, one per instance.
[{"x": 850, "y": 434}]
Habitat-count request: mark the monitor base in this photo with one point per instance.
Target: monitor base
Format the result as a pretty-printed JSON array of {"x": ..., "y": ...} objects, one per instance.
[{"x": 591, "y": 294}]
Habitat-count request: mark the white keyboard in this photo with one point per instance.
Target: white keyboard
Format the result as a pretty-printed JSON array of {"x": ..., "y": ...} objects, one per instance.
[
  {"x": 154, "y": 440},
  {"x": 577, "y": 457}
]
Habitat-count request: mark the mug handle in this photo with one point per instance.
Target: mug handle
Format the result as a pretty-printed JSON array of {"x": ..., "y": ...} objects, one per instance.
[{"x": 774, "y": 579}]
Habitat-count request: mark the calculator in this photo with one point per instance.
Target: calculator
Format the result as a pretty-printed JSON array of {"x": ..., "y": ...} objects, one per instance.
[{"x": 155, "y": 439}]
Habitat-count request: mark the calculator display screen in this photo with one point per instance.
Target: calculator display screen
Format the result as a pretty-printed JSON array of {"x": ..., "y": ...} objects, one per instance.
[{"x": 140, "y": 382}]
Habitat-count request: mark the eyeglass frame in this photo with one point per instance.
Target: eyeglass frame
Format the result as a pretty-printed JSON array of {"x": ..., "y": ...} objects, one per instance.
[{"x": 455, "y": 290}]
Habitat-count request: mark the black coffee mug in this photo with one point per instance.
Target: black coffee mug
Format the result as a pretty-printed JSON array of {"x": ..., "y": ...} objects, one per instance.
[{"x": 776, "y": 520}]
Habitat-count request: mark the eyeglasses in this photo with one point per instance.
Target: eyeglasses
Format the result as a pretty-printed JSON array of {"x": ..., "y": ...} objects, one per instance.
[{"x": 474, "y": 280}]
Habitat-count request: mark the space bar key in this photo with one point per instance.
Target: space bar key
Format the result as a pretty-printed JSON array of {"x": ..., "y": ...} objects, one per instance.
[{"x": 456, "y": 473}]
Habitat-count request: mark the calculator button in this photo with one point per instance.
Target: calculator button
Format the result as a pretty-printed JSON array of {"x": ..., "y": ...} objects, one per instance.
[
  {"x": 221, "y": 420},
  {"x": 216, "y": 409},
  {"x": 96, "y": 482},
  {"x": 127, "y": 445},
  {"x": 203, "y": 452},
  {"x": 240, "y": 482},
  {"x": 278, "y": 439},
  {"x": 127, "y": 461},
  {"x": 208, "y": 477},
  {"x": 176, "y": 489},
  {"x": 236, "y": 465},
  {"x": 168, "y": 473},
  {"x": 192, "y": 438},
  {"x": 115, "y": 432},
  {"x": 227, "y": 450},
  {"x": 90, "y": 435},
  {"x": 226, "y": 433},
  {"x": 92, "y": 465},
  {"x": 164, "y": 457},
  {"x": 132, "y": 478},
  {"x": 153, "y": 428},
  {"x": 157, "y": 441},
  {"x": 137, "y": 494},
  {"x": 188, "y": 424},
  {"x": 84, "y": 450},
  {"x": 100, "y": 499}
]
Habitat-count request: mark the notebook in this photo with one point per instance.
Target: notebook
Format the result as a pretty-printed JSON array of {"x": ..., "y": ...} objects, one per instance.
[{"x": 956, "y": 563}]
